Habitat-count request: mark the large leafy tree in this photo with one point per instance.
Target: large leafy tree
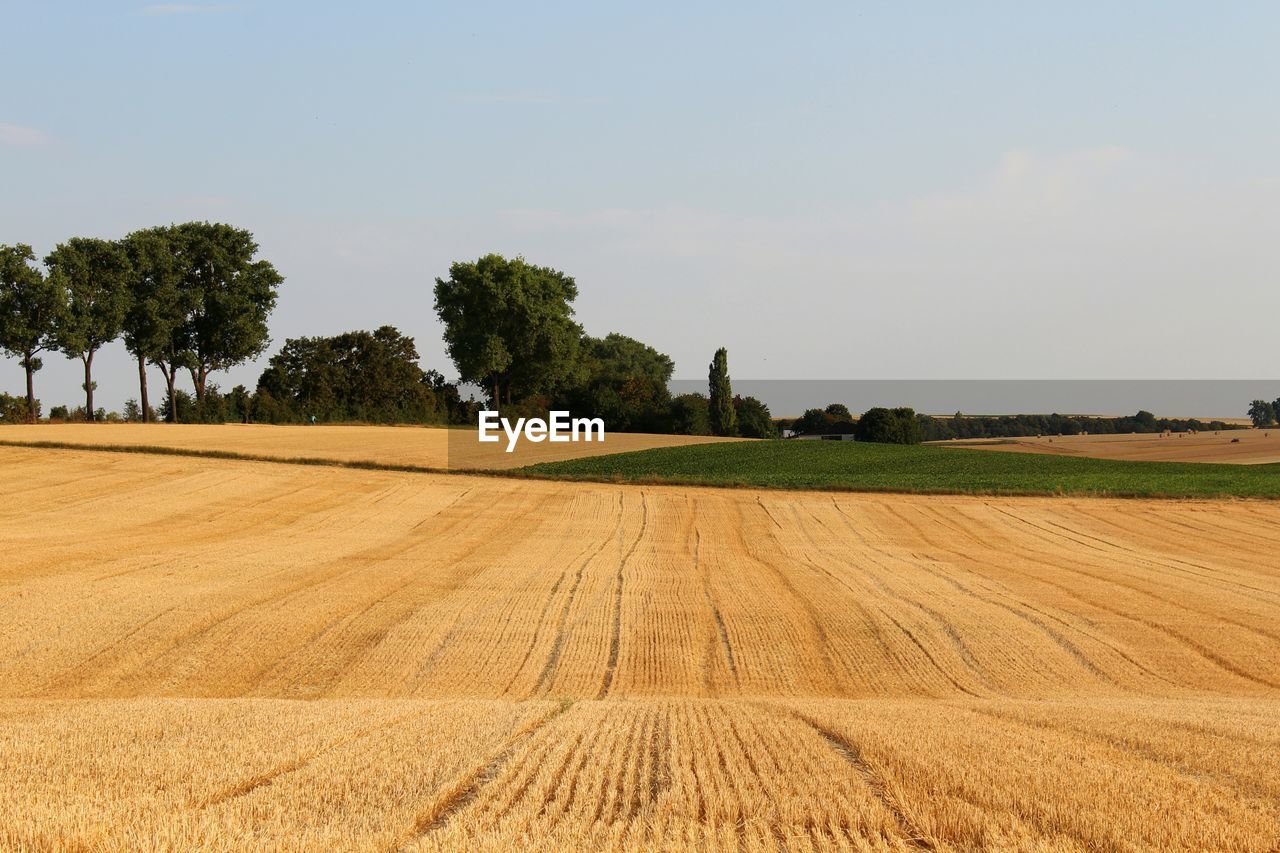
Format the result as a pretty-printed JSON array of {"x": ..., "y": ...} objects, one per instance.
[
  {"x": 30, "y": 306},
  {"x": 159, "y": 305},
  {"x": 509, "y": 325},
  {"x": 624, "y": 382},
  {"x": 95, "y": 275},
  {"x": 1261, "y": 413},
  {"x": 889, "y": 426},
  {"x": 357, "y": 376},
  {"x": 231, "y": 293},
  {"x": 754, "y": 418},
  {"x": 724, "y": 420}
]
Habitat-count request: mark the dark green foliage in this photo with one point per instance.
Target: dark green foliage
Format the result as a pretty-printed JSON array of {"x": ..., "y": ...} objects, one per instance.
[
  {"x": 59, "y": 413},
  {"x": 833, "y": 420},
  {"x": 30, "y": 308},
  {"x": 622, "y": 381},
  {"x": 689, "y": 415},
  {"x": 724, "y": 421},
  {"x": 754, "y": 419},
  {"x": 95, "y": 276},
  {"x": 370, "y": 377},
  {"x": 239, "y": 405},
  {"x": 889, "y": 426},
  {"x": 1262, "y": 413},
  {"x": 229, "y": 294},
  {"x": 859, "y": 466},
  {"x": 509, "y": 326},
  {"x": 14, "y": 410},
  {"x": 182, "y": 408},
  {"x": 1012, "y": 426},
  {"x": 160, "y": 304}
]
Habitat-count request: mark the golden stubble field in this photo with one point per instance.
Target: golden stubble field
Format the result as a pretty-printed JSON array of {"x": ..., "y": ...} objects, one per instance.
[
  {"x": 212, "y": 654},
  {"x": 419, "y": 447},
  {"x": 1242, "y": 447}
]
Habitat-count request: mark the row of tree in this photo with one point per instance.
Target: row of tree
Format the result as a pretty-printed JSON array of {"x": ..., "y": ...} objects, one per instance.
[
  {"x": 193, "y": 297},
  {"x": 904, "y": 426}
]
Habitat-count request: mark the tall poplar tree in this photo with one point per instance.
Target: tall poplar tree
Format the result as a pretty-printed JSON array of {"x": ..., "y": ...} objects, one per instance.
[{"x": 724, "y": 420}]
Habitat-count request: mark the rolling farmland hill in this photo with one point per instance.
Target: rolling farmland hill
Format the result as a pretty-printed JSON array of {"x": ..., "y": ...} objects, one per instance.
[{"x": 232, "y": 655}]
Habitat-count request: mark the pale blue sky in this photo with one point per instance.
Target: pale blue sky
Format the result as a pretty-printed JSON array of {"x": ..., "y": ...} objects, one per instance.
[{"x": 830, "y": 190}]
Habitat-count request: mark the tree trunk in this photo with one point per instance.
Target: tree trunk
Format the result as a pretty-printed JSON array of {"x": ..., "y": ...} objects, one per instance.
[
  {"x": 497, "y": 400},
  {"x": 88, "y": 385},
  {"x": 142, "y": 388},
  {"x": 31, "y": 388},
  {"x": 170, "y": 376},
  {"x": 198, "y": 377}
]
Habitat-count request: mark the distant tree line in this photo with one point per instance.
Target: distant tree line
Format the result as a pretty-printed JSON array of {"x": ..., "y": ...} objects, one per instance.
[
  {"x": 195, "y": 299},
  {"x": 904, "y": 426},
  {"x": 190, "y": 298}
]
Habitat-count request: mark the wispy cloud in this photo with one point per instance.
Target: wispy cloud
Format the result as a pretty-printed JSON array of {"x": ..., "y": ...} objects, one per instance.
[
  {"x": 156, "y": 9},
  {"x": 18, "y": 136}
]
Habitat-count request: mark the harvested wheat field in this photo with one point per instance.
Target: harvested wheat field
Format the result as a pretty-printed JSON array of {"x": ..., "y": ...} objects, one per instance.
[
  {"x": 221, "y": 654},
  {"x": 411, "y": 446},
  {"x": 1239, "y": 446}
]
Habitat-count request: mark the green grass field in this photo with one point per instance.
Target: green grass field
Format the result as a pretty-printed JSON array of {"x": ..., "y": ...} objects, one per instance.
[{"x": 855, "y": 466}]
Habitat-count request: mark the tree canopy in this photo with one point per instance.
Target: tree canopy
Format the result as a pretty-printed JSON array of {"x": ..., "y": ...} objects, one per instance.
[
  {"x": 357, "y": 376},
  {"x": 232, "y": 294},
  {"x": 724, "y": 420},
  {"x": 754, "y": 418},
  {"x": 30, "y": 308},
  {"x": 889, "y": 426},
  {"x": 623, "y": 381},
  {"x": 95, "y": 276},
  {"x": 158, "y": 305},
  {"x": 509, "y": 325}
]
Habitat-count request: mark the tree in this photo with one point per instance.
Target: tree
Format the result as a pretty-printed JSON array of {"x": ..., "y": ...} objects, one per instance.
[
  {"x": 30, "y": 306},
  {"x": 689, "y": 415},
  {"x": 839, "y": 412},
  {"x": 95, "y": 275},
  {"x": 1261, "y": 413},
  {"x": 889, "y": 426},
  {"x": 812, "y": 422},
  {"x": 356, "y": 376},
  {"x": 231, "y": 296},
  {"x": 724, "y": 420},
  {"x": 509, "y": 325},
  {"x": 754, "y": 418},
  {"x": 158, "y": 306},
  {"x": 622, "y": 381}
]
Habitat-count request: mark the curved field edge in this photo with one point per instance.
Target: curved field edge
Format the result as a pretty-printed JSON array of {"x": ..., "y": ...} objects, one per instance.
[
  {"x": 824, "y": 466},
  {"x": 859, "y": 467}
]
